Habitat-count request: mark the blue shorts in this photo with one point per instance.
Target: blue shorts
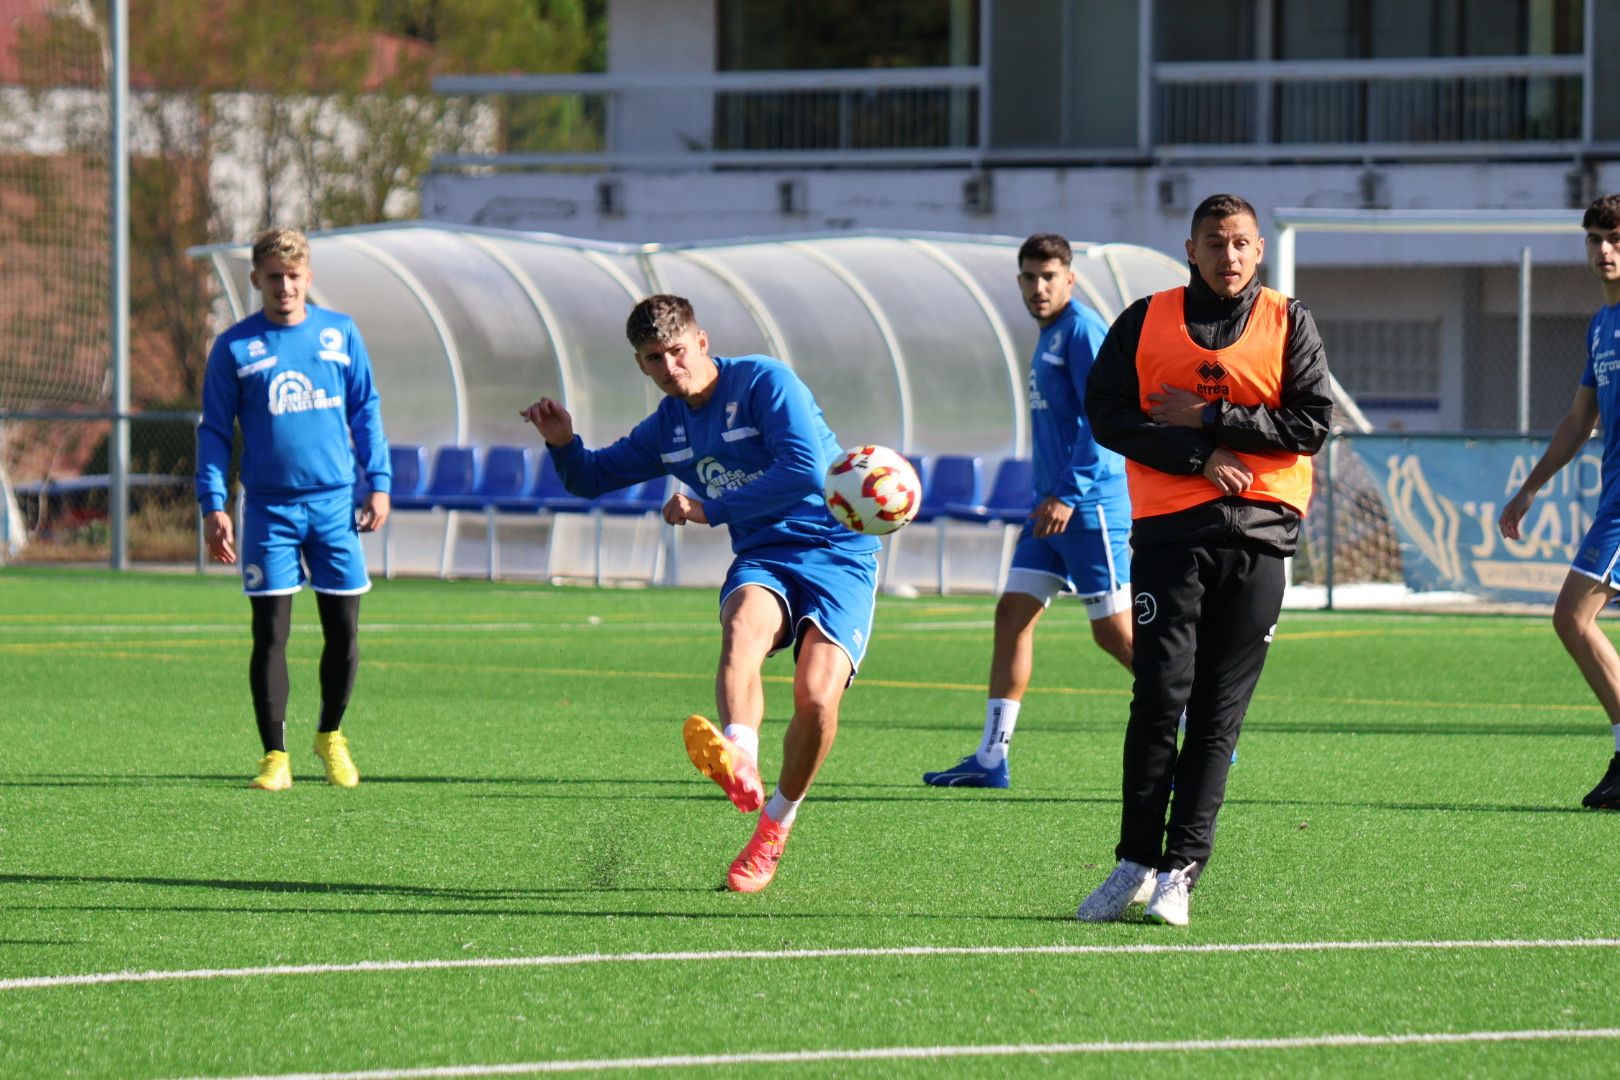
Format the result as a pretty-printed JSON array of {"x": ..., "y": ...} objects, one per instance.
[
  {"x": 835, "y": 590},
  {"x": 1599, "y": 554},
  {"x": 1091, "y": 557},
  {"x": 275, "y": 535}
]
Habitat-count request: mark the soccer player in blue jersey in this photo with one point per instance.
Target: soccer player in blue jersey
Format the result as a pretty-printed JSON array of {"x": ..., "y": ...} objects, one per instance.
[
  {"x": 1594, "y": 576},
  {"x": 297, "y": 379},
  {"x": 747, "y": 437},
  {"x": 1077, "y": 538}
]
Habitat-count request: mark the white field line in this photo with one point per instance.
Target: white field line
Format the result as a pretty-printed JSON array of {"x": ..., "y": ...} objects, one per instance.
[
  {"x": 40, "y": 982},
  {"x": 894, "y": 1053}
]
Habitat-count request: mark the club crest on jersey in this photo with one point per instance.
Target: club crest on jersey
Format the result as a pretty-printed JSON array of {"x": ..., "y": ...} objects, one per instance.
[
  {"x": 292, "y": 392},
  {"x": 257, "y": 348},
  {"x": 332, "y": 346}
]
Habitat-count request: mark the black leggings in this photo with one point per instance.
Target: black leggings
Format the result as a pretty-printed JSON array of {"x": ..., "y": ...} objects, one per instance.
[{"x": 267, "y": 664}]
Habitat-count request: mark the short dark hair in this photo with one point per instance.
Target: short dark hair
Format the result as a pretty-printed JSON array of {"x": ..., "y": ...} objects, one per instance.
[
  {"x": 661, "y": 318},
  {"x": 1604, "y": 213},
  {"x": 1222, "y": 206},
  {"x": 1044, "y": 247}
]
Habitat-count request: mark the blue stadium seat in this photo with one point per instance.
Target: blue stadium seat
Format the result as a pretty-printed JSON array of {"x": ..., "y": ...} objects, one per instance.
[
  {"x": 506, "y": 474},
  {"x": 642, "y": 498},
  {"x": 410, "y": 469},
  {"x": 548, "y": 493},
  {"x": 1011, "y": 498},
  {"x": 952, "y": 479},
  {"x": 455, "y": 474}
]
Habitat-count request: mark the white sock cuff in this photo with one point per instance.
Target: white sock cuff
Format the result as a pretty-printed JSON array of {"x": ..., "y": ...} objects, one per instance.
[
  {"x": 745, "y": 737},
  {"x": 782, "y": 809}
]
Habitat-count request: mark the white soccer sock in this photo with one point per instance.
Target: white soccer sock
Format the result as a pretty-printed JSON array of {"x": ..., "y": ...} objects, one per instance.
[
  {"x": 1000, "y": 718},
  {"x": 746, "y": 738},
  {"x": 782, "y": 809}
]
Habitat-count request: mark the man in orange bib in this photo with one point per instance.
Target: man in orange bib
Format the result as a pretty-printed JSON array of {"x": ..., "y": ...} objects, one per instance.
[{"x": 1216, "y": 394}]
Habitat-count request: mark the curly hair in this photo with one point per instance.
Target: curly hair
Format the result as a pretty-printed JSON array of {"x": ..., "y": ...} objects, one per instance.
[{"x": 661, "y": 318}]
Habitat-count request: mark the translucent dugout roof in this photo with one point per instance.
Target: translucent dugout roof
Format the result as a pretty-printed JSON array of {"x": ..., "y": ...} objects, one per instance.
[{"x": 917, "y": 341}]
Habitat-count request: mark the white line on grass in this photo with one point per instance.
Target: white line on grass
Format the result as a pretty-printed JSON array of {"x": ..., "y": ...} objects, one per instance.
[
  {"x": 892, "y": 1053},
  {"x": 39, "y": 982}
]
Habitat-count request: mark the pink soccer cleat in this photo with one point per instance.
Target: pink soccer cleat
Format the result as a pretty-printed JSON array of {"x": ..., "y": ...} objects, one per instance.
[{"x": 755, "y": 865}]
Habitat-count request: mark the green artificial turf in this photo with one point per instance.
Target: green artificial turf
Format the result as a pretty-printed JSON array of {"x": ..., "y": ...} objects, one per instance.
[{"x": 1403, "y": 779}]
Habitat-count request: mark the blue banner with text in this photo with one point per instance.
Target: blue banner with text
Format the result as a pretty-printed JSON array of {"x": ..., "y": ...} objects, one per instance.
[{"x": 1444, "y": 493}]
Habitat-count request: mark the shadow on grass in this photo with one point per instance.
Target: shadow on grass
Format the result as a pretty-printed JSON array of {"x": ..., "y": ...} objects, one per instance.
[
  {"x": 239, "y": 780},
  {"x": 775, "y": 915},
  {"x": 328, "y": 887}
]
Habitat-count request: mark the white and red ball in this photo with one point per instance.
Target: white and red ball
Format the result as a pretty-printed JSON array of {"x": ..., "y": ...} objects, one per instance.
[{"x": 872, "y": 490}]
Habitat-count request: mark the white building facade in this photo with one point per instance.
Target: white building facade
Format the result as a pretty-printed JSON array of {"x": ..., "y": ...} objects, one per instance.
[{"x": 1108, "y": 120}]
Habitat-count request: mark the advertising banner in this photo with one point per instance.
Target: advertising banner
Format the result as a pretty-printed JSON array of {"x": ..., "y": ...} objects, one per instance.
[{"x": 1444, "y": 493}]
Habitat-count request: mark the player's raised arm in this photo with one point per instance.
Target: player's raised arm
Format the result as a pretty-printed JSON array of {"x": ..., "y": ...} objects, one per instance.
[{"x": 553, "y": 422}]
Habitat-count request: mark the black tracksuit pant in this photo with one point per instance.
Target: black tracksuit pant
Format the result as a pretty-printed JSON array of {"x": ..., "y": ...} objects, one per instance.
[{"x": 1205, "y": 613}]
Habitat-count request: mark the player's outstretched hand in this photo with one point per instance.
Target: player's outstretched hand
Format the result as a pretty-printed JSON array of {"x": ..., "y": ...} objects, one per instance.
[
  {"x": 682, "y": 509},
  {"x": 220, "y": 536},
  {"x": 551, "y": 420},
  {"x": 1226, "y": 471}
]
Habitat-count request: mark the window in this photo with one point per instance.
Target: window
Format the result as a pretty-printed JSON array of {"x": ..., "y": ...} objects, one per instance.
[{"x": 799, "y": 35}]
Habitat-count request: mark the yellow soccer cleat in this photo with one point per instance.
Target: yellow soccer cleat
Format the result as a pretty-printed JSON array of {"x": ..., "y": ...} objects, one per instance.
[
  {"x": 275, "y": 772},
  {"x": 724, "y": 762},
  {"x": 332, "y": 748}
]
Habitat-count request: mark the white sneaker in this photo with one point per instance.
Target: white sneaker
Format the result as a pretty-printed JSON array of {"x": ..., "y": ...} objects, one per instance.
[
  {"x": 1119, "y": 890},
  {"x": 1169, "y": 902}
]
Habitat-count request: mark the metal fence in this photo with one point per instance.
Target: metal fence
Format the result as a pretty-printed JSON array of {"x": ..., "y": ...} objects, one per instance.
[{"x": 57, "y": 503}]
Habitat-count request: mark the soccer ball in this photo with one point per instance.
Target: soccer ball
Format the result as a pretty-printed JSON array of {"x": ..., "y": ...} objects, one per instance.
[{"x": 873, "y": 490}]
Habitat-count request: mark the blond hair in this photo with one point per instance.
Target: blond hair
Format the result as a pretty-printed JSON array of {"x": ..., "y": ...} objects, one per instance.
[{"x": 289, "y": 245}]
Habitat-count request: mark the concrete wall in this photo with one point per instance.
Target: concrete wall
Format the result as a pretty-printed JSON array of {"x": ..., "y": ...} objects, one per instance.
[{"x": 661, "y": 38}]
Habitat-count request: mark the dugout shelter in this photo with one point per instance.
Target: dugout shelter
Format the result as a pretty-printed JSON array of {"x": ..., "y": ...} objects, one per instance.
[{"x": 918, "y": 341}]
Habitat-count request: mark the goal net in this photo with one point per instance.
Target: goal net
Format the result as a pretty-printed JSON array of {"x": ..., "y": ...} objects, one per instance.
[
  {"x": 54, "y": 236},
  {"x": 1459, "y": 336}
]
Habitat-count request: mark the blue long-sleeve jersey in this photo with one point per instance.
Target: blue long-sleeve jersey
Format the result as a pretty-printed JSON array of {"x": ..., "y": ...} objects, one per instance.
[
  {"x": 300, "y": 393},
  {"x": 1068, "y": 462},
  {"x": 1602, "y": 374},
  {"x": 755, "y": 453}
]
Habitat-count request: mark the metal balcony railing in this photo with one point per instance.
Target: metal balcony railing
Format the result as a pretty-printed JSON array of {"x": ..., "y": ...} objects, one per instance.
[
  {"x": 1488, "y": 106},
  {"x": 898, "y": 116},
  {"x": 1478, "y": 107}
]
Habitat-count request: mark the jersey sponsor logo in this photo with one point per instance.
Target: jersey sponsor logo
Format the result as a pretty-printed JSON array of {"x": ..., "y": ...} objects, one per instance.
[
  {"x": 717, "y": 479},
  {"x": 1037, "y": 400},
  {"x": 1147, "y": 608},
  {"x": 292, "y": 392},
  {"x": 1214, "y": 376}
]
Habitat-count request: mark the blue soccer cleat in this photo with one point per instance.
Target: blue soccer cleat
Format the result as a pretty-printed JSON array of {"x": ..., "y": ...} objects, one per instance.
[{"x": 969, "y": 773}]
